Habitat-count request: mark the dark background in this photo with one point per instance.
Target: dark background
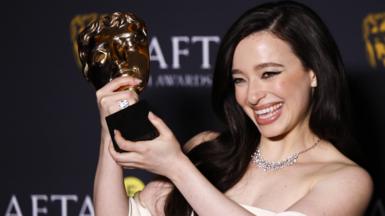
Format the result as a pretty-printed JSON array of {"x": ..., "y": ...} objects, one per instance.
[{"x": 49, "y": 124}]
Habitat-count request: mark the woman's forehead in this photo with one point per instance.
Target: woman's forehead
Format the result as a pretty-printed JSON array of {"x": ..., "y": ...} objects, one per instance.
[{"x": 262, "y": 47}]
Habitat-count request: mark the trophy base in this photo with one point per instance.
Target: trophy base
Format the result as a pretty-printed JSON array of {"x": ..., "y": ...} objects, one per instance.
[{"x": 133, "y": 124}]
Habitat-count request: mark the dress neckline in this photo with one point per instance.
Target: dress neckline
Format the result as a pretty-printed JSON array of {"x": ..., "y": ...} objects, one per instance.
[
  {"x": 266, "y": 212},
  {"x": 256, "y": 208}
]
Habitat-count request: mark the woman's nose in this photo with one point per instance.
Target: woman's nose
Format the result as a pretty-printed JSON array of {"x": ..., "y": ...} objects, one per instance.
[{"x": 255, "y": 95}]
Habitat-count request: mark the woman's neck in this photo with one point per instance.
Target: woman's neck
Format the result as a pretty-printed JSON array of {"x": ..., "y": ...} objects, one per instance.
[{"x": 283, "y": 146}]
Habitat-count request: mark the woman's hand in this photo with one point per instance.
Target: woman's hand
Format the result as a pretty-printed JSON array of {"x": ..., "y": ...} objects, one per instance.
[
  {"x": 108, "y": 97},
  {"x": 157, "y": 155}
]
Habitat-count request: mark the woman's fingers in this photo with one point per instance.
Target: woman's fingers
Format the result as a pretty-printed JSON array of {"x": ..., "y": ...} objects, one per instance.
[
  {"x": 112, "y": 102},
  {"x": 126, "y": 145},
  {"x": 125, "y": 157},
  {"x": 154, "y": 155},
  {"x": 159, "y": 125},
  {"x": 117, "y": 83},
  {"x": 111, "y": 98},
  {"x": 116, "y": 101}
]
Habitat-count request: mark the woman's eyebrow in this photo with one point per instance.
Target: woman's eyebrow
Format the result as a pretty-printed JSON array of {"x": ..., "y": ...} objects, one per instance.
[
  {"x": 267, "y": 64},
  {"x": 236, "y": 71},
  {"x": 258, "y": 67}
]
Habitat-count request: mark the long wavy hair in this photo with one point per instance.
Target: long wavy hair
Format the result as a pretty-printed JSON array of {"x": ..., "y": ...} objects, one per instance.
[{"x": 224, "y": 160}]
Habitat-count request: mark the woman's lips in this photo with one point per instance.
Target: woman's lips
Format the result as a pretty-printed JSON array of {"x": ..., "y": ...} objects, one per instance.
[{"x": 267, "y": 114}]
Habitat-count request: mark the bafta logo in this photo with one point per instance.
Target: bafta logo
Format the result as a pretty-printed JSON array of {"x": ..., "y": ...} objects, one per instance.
[{"x": 374, "y": 37}]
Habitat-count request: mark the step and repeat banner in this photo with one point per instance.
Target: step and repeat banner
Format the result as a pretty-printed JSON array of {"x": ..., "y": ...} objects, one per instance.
[{"x": 49, "y": 118}]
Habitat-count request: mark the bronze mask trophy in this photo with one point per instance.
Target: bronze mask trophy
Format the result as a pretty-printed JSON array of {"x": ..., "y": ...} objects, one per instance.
[{"x": 116, "y": 45}]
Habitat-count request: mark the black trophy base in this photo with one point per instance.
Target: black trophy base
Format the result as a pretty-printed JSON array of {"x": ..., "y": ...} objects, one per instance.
[{"x": 133, "y": 124}]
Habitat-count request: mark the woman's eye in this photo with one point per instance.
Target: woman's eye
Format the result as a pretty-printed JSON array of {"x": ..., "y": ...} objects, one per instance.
[
  {"x": 269, "y": 74},
  {"x": 237, "y": 80}
]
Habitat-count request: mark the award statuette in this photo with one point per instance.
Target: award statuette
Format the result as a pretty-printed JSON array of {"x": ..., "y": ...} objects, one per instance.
[{"x": 116, "y": 45}]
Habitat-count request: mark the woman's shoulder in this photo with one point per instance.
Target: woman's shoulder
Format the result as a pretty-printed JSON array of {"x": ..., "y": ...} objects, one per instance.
[
  {"x": 338, "y": 186},
  {"x": 335, "y": 166},
  {"x": 199, "y": 139},
  {"x": 338, "y": 175},
  {"x": 340, "y": 189},
  {"x": 345, "y": 176}
]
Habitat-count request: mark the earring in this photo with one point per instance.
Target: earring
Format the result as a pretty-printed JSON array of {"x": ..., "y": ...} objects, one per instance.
[{"x": 314, "y": 83}]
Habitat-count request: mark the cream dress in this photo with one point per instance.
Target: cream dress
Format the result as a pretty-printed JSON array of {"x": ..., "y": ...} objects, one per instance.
[{"x": 136, "y": 209}]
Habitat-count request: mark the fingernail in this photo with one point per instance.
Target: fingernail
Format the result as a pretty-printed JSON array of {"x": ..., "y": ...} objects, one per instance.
[
  {"x": 115, "y": 131},
  {"x": 151, "y": 114},
  {"x": 137, "y": 81}
]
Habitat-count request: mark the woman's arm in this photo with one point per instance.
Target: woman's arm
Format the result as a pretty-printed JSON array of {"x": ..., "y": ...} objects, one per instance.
[
  {"x": 163, "y": 156},
  {"x": 200, "y": 193},
  {"x": 109, "y": 193}
]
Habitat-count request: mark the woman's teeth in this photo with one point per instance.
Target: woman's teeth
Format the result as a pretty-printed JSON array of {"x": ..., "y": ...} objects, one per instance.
[{"x": 269, "y": 111}]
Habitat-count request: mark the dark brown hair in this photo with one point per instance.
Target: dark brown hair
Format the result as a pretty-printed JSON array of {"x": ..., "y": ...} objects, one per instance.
[{"x": 224, "y": 160}]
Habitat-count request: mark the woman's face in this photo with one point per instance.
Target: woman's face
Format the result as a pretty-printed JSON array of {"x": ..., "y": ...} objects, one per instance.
[{"x": 271, "y": 84}]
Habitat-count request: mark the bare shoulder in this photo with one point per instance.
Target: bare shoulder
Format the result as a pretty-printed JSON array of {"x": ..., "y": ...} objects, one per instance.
[
  {"x": 351, "y": 178},
  {"x": 199, "y": 139},
  {"x": 154, "y": 195},
  {"x": 341, "y": 187},
  {"x": 342, "y": 175},
  {"x": 350, "y": 186}
]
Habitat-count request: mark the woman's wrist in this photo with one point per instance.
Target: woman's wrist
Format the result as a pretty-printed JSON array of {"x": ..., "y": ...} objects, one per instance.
[
  {"x": 179, "y": 169},
  {"x": 105, "y": 142}
]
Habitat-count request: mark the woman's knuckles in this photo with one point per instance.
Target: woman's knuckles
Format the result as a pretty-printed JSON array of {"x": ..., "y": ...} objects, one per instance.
[
  {"x": 142, "y": 148},
  {"x": 103, "y": 101},
  {"x": 99, "y": 93},
  {"x": 168, "y": 136},
  {"x": 109, "y": 110},
  {"x": 118, "y": 137},
  {"x": 131, "y": 101},
  {"x": 125, "y": 146}
]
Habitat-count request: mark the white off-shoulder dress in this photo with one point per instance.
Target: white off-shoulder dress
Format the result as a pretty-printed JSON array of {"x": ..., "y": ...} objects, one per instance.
[{"x": 137, "y": 209}]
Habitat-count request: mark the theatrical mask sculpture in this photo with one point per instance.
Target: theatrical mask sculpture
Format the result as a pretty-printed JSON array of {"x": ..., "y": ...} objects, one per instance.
[{"x": 116, "y": 45}]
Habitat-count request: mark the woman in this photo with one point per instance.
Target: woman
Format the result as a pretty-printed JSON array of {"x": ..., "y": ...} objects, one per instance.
[{"x": 279, "y": 86}]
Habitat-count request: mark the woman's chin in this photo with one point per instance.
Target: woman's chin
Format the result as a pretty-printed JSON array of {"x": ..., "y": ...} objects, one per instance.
[{"x": 272, "y": 132}]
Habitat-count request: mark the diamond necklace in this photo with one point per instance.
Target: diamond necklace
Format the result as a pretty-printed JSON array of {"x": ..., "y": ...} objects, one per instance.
[{"x": 257, "y": 158}]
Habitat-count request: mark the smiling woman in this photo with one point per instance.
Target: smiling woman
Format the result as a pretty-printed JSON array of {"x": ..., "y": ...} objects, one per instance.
[{"x": 279, "y": 87}]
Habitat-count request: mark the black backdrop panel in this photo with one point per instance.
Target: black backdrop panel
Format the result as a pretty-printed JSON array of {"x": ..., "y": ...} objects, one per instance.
[{"x": 50, "y": 124}]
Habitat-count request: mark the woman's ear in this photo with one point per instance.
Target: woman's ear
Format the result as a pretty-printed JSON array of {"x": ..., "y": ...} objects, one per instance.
[{"x": 313, "y": 79}]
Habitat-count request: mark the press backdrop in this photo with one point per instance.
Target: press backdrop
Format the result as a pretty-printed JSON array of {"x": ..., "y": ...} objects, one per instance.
[{"x": 49, "y": 124}]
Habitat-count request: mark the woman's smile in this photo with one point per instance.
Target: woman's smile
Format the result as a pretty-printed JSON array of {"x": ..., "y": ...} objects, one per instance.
[{"x": 268, "y": 113}]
